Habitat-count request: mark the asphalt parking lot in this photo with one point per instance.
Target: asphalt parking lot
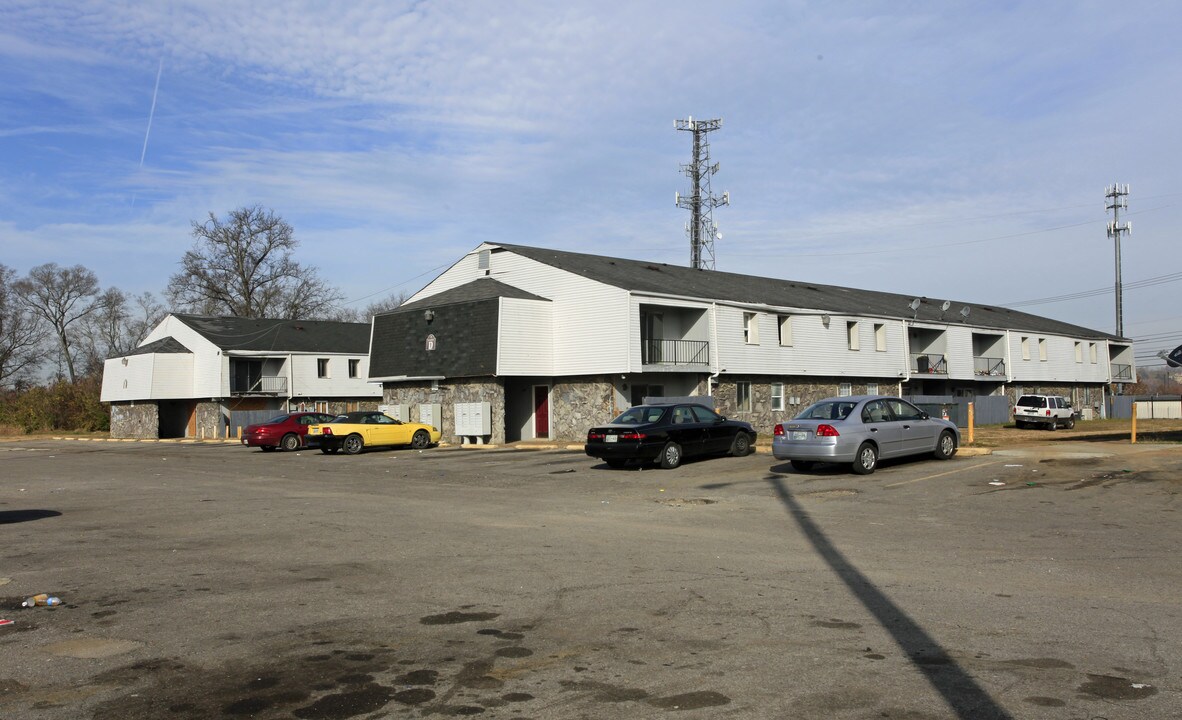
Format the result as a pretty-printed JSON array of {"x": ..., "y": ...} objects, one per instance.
[{"x": 216, "y": 581}]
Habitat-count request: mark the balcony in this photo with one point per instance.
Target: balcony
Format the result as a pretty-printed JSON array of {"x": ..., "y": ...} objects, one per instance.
[
  {"x": 675, "y": 352},
  {"x": 989, "y": 367},
  {"x": 926, "y": 364},
  {"x": 1122, "y": 372},
  {"x": 265, "y": 385}
]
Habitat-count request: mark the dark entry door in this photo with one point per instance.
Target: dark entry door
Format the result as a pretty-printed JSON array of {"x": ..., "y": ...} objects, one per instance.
[{"x": 541, "y": 411}]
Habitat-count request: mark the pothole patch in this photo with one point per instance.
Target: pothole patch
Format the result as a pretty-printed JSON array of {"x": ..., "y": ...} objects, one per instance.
[
  {"x": 686, "y": 502},
  {"x": 91, "y": 648},
  {"x": 828, "y": 494}
]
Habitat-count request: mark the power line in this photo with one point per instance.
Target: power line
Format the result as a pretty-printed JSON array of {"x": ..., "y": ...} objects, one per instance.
[{"x": 1147, "y": 282}]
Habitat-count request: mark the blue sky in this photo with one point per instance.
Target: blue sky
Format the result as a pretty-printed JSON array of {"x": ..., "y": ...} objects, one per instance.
[{"x": 944, "y": 149}]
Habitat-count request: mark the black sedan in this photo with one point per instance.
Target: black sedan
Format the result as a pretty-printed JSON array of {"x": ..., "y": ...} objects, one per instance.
[{"x": 666, "y": 434}]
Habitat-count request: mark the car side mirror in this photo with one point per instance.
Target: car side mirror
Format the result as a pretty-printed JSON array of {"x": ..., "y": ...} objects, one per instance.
[
  {"x": 720, "y": 419},
  {"x": 925, "y": 416}
]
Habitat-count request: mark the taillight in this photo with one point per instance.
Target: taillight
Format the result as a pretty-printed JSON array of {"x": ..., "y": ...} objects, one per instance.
[
  {"x": 632, "y": 436},
  {"x": 1048, "y": 413},
  {"x": 326, "y": 431},
  {"x": 594, "y": 436},
  {"x": 827, "y": 431},
  {"x": 779, "y": 429}
]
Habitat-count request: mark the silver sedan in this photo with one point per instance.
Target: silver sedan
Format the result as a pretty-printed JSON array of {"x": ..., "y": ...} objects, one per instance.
[{"x": 861, "y": 430}]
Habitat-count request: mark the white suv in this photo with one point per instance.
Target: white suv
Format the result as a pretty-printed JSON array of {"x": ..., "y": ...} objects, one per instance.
[{"x": 1049, "y": 411}]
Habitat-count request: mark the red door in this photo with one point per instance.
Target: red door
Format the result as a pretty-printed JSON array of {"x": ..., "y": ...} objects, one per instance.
[{"x": 541, "y": 411}]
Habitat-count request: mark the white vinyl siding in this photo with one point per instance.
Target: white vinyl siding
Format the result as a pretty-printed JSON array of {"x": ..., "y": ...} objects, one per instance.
[{"x": 524, "y": 345}]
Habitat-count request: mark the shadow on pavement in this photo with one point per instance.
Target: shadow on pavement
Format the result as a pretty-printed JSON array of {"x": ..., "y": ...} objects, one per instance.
[
  {"x": 966, "y": 698},
  {"x": 18, "y": 516}
]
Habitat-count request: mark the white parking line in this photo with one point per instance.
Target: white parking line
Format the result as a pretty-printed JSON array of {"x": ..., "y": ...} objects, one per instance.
[{"x": 932, "y": 477}]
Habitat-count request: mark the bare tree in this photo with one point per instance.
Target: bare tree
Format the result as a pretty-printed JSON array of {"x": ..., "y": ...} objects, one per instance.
[
  {"x": 118, "y": 324},
  {"x": 366, "y": 314},
  {"x": 243, "y": 266},
  {"x": 21, "y": 334},
  {"x": 61, "y": 297}
]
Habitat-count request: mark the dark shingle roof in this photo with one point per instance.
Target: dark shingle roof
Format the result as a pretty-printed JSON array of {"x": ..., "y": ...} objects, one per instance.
[
  {"x": 234, "y": 333},
  {"x": 640, "y": 276},
  {"x": 480, "y": 289},
  {"x": 164, "y": 345}
]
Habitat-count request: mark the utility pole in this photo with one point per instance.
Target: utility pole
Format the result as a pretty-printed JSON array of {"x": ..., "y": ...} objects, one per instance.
[
  {"x": 701, "y": 202},
  {"x": 1117, "y": 200}
]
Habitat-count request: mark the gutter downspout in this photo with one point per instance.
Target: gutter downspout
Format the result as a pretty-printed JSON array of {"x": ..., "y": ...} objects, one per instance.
[{"x": 715, "y": 366}]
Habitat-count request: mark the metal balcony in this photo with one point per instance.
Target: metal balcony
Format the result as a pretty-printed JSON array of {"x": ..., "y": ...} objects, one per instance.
[
  {"x": 674, "y": 352},
  {"x": 927, "y": 364},
  {"x": 989, "y": 367},
  {"x": 266, "y": 385},
  {"x": 1122, "y": 372}
]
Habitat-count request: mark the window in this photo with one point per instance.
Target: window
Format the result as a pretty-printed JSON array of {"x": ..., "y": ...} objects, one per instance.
[
  {"x": 777, "y": 396},
  {"x": 322, "y": 367},
  {"x": 786, "y": 330},
  {"x": 1079, "y": 352},
  {"x": 845, "y": 390},
  {"x": 851, "y": 331},
  {"x": 705, "y": 415},
  {"x": 354, "y": 366},
  {"x": 871, "y": 388},
  {"x": 1092, "y": 352},
  {"x": 1042, "y": 349},
  {"x": 880, "y": 337},
  {"x": 1025, "y": 348},
  {"x": 751, "y": 328},
  {"x": 743, "y": 396}
]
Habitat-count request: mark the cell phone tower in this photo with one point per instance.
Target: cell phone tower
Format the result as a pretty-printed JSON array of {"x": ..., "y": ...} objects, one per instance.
[
  {"x": 701, "y": 202},
  {"x": 1117, "y": 199}
]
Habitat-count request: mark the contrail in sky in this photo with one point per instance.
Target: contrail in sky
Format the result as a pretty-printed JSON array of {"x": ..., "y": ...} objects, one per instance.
[{"x": 152, "y": 112}]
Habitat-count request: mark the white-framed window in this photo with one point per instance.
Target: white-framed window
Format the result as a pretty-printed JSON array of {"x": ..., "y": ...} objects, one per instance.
[
  {"x": 322, "y": 368},
  {"x": 871, "y": 388},
  {"x": 1025, "y": 348},
  {"x": 354, "y": 367},
  {"x": 1092, "y": 352},
  {"x": 751, "y": 328},
  {"x": 743, "y": 396},
  {"x": 786, "y": 330},
  {"x": 777, "y": 396},
  {"x": 1042, "y": 349},
  {"x": 851, "y": 331},
  {"x": 845, "y": 390},
  {"x": 879, "y": 338},
  {"x": 1079, "y": 352}
]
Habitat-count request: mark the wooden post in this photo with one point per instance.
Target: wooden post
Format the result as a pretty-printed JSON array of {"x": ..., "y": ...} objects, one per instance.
[
  {"x": 971, "y": 419},
  {"x": 1134, "y": 435}
]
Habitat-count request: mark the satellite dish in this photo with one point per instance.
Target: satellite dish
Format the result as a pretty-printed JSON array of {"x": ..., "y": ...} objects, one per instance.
[
  {"x": 964, "y": 311},
  {"x": 1174, "y": 359},
  {"x": 947, "y": 304},
  {"x": 914, "y": 304}
]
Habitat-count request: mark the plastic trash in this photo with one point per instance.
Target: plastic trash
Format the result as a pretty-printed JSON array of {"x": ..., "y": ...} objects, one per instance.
[
  {"x": 5, "y": 622},
  {"x": 42, "y": 600}
]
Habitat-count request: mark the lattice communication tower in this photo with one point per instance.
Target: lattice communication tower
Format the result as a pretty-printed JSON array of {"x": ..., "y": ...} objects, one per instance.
[{"x": 701, "y": 202}]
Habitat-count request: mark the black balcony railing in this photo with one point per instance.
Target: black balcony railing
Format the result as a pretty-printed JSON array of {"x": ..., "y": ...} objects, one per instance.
[
  {"x": 992, "y": 367},
  {"x": 266, "y": 385},
  {"x": 925, "y": 364},
  {"x": 1122, "y": 372},
  {"x": 675, "y": 352}
]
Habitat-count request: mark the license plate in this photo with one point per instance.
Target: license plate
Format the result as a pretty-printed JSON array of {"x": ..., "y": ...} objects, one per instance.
[
  {"x": 800, "y": 434},
  {"x": 611, "y": 438}
]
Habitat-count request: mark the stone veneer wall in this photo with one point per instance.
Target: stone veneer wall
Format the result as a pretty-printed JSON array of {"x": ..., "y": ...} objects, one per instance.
[
  {"x": 763, "y": 418},
  {"x": 209, "y": 421},
  {"x": 135, "y": 421},
  {"x": 576, "y": 404},
  {"x": 447, "y": 394}
]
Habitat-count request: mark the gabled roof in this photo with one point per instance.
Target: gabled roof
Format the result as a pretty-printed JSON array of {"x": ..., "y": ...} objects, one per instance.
[
  {"x": 660, "y": 278},
  {"x": 259, "y": 334},
  {"x": 479, "y": 289},
  {"x": 164, "y": 345}
]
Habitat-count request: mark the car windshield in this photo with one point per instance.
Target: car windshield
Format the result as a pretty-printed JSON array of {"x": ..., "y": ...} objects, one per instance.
[
  {"x": 827, "y": 410},
  {"x": 1032, "y": 401},
  {"x": 278, "y": 419},
  {"x": 641, "y": 415}
]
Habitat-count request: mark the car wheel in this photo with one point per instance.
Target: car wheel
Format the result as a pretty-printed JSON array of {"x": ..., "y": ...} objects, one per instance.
[
  {"x": 1053, "y": 424},
  {"x": 615, "y": 462},
  {"x": 353, "y": 444},
  {"x": 290, "y": 442},
  {"x": 266, "y": 448},
  {"x": 1070, "y": 423},
  {"x": 420, "y": 440},
  {"x": 670, "y": 455},
  {"x": 945, "y": 446},
  {"x": 1019, "y": 424},
  {"x": 741, "y": 445},
  {"x": 865, "y": 460},
  {"x": 803, "y": 465}
]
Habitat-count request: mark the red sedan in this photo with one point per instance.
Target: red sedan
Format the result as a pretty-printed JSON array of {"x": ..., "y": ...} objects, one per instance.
[{"x": 285, "y": 431}]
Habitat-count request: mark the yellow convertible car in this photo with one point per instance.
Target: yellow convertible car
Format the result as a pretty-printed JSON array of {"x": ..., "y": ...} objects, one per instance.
[{"x": 355, "y": 431}]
